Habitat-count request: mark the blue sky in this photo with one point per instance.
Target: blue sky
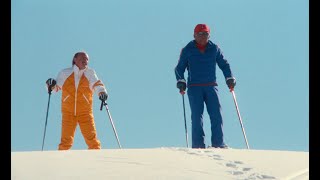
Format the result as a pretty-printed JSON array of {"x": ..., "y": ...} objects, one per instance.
[{"x": 134, "y": 47}]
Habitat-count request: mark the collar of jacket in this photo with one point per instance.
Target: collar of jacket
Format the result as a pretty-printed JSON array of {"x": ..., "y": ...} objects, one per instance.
[{"x": 77, "y": 70}]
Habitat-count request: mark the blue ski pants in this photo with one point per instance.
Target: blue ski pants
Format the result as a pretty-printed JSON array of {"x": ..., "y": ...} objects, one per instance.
[{"x": 198, "y": 96}]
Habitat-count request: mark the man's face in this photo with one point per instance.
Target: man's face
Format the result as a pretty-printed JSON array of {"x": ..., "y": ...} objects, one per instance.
[
  {"x": 81, "y": 61},
  {"x": 201, "y": 38}
]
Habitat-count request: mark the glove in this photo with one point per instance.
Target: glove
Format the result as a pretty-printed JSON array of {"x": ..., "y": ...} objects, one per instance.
[
  {"x": 103, "y": 96},
  {"x": 231, "y": 82},
  {"x": 182, "y": 85},
  {"x": 51, "y": 83}
]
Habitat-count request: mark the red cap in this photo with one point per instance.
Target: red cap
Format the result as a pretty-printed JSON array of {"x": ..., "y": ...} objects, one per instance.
[{"x": 201, "y": 28}]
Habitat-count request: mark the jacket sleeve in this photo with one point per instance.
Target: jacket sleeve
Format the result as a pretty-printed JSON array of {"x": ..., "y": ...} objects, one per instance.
[
  {"x": 223, "y": 64},
  {"x": 61, "y": 77},
  {"x": 182, "y": 65},
  {"x": 94, "y": 82}
]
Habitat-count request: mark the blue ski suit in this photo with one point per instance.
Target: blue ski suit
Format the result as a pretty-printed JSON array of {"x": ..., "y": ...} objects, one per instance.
[{"x": 202, "y": 88}]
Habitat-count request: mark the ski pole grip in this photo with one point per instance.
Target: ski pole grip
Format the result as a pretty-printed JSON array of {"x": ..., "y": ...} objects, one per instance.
[{"x": 182, "y": 92}]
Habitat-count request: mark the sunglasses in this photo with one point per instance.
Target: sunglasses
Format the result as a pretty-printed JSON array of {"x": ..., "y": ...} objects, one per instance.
[{"x": 203, "y": 34}]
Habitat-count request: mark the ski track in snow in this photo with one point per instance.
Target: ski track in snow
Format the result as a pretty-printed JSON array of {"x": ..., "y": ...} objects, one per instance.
[{"x": 238, "y": 169}]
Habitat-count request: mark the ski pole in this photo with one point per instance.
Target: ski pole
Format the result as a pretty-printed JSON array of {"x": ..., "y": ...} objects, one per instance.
[
  {"x": 238, "y": 112},
  {"x": 45, "y": 127},
  {"x": 185, "y": 121},
  {"x": 114, "y": 129}
]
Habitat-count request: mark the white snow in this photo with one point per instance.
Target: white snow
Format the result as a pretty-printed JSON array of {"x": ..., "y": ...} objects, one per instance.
[{"x": 163, "y": 163}]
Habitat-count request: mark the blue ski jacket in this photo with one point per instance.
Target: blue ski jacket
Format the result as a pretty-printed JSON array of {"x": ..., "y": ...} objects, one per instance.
[{"x": 201, "y": 66}]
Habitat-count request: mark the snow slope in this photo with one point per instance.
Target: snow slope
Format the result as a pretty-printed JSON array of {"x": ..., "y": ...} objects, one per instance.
[{"x": 169, "y": 163}]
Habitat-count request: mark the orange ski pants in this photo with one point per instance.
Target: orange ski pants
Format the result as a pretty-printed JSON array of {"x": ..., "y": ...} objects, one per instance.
[{"x": 87, "y": 127}]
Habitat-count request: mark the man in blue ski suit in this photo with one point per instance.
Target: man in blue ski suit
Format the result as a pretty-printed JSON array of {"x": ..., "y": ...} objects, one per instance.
[{"x": 200, "y": 57}]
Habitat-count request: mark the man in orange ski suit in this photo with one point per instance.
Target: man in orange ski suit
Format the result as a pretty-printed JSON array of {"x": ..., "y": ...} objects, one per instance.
[{"x": 78, "y": 84}]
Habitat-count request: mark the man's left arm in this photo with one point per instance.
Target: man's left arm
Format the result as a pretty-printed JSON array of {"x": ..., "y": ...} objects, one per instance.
[
  {"x": 225, "y": 67},
  {"x": 95, "y": 83}
]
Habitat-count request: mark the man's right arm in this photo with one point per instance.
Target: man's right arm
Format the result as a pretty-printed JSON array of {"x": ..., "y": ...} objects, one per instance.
[
  {"x": 61, "y": 78},
  {"x": 179, "y": 71},
  {"x": 181, "y": 66}
]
